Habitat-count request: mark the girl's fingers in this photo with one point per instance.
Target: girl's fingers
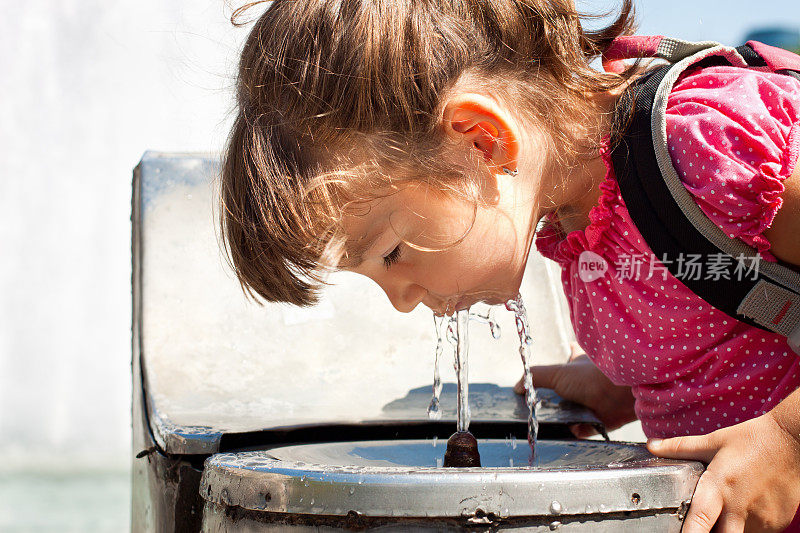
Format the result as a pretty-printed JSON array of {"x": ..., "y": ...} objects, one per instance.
[
  {"x": 519, "y": 387},
  {"x": 728, "y": 523},
  {"x": 705, "y": 508},
  {"x": 543, "y": 376},
  {"x": 698, "y": 448},
  {"x": 576, "y": 350},
  {"x": 582, "y": 431}
]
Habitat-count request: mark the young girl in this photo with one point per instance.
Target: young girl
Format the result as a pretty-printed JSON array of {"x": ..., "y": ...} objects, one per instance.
[{"x": 421, "y": 143}]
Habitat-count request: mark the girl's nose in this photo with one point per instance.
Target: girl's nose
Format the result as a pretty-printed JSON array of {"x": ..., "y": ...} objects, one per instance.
[{"x": 404, "y": 296}]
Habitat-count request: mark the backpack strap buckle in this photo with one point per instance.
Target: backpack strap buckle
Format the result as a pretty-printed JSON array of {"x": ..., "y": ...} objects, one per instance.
[{"x": 774, "y": 308}]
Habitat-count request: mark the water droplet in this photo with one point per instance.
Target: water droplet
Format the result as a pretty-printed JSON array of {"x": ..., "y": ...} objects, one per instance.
[
  {"x": 489, "y": 319},
  {"x": 494, "y": 327},
  {"x": 434, "y": 413},
  {"x": 555, "y": 507}
]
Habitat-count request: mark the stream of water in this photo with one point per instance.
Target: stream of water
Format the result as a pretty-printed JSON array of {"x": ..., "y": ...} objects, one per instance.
[
  {"x": 455, "y": 329},
  {"x": 523, "y": 327},
  {"x": 434, "y": 413},
  {"x": 461, "y": 366}
]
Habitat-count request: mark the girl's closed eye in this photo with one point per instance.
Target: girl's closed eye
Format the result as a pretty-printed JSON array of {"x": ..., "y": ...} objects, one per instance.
[{"x": 392, "y": 257}]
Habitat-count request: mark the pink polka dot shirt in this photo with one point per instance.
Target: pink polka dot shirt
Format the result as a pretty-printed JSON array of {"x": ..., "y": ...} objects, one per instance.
[{"x": 734, "y": 136}]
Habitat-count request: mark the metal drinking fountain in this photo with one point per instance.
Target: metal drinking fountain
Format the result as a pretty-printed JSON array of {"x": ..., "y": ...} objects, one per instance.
[{"x": 272, "y": 418}]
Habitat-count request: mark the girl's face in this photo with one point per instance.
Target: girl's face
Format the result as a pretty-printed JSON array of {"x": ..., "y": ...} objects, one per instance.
[{"x": 421, "y": 246}]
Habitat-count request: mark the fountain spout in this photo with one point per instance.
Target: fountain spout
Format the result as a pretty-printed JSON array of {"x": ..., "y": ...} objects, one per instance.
[{"x": 462, "y": 451}]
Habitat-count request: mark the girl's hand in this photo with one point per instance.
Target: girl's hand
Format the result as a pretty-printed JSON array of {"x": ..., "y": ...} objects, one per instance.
[
  {"x": 580, "y": 381},
  {"x": 752, "y": 482}
]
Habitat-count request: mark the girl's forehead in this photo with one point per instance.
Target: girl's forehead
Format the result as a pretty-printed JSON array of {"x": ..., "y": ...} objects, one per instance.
[
  {"x": 359, "y": 218},
  {"x": 362, "y": 223}
]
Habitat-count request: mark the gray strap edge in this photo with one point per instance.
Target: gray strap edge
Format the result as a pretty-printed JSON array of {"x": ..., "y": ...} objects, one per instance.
[
  {"x": 733, "y": 247},
  {"x": 794, "y": 339}
]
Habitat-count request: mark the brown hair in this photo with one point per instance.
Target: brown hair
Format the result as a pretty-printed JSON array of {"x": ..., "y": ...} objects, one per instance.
[{"x": 318, "y": 78}]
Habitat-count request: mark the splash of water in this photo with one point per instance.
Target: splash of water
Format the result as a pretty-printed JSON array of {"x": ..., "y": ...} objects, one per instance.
[
  {"x": 523, "y": 327},
  {"x": 489, "y": 319},
  {"x": 434, "y": 413},
  {"x": 451, "y": 335}
]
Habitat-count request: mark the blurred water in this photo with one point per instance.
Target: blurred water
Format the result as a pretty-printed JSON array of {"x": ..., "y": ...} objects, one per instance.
[
  {"x": 87, "y": 86},
  {"x": 68, "y": 501}
]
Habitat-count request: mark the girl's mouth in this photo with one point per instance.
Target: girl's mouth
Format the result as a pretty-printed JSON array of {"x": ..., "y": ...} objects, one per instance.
[
  {"x": 449, "y": 306},
  {"x": 463, "y": 304},
  {"x": 444, "y": 308}
]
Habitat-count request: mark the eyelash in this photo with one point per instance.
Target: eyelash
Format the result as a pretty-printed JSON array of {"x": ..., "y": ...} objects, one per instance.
[{"x": 392, "y": 258}]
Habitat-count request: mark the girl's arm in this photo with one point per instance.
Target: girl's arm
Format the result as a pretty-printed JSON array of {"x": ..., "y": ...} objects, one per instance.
[
  {"x": 784, "y": 234},
  {"x": 752, "y": 482},
  {"x": 753, "y": 478}
]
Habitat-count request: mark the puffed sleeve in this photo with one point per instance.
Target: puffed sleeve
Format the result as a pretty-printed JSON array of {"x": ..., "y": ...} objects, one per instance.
[{"x": 734, "y": 137}]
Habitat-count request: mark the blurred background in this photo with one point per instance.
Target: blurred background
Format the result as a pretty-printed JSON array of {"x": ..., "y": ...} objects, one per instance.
[{"x": 85, "y": 88}]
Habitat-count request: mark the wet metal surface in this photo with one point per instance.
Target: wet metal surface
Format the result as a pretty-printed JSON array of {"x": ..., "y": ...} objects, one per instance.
[
  {"x": 217, "y": 518},
  {"x": 492, "y": 402},
  {"x": 495, "y": 453}
]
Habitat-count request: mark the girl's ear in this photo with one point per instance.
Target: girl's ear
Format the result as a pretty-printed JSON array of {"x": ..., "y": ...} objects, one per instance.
[{"x": 480, "y": 123}]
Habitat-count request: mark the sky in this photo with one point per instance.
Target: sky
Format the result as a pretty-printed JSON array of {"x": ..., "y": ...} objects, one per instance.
[{"x": 726, "y": 21}]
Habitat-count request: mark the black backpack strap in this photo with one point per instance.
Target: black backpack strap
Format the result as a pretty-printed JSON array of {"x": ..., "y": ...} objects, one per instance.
[
  {"x": 674, "y": 227},
  {"x": 654, "y": 211},
  {"x": 761, "y": 55}
]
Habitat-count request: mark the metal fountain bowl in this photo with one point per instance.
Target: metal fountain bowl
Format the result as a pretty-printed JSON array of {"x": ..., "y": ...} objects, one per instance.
[
  {"x": 587, "y": 485},
  {"x": 405, "y": 478}
]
